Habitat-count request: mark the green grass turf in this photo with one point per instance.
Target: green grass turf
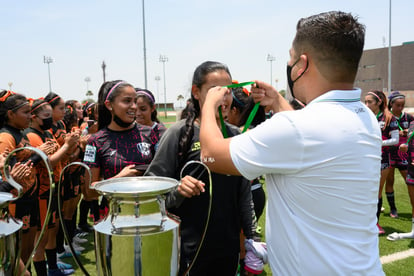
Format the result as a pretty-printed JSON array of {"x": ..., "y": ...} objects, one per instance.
[
  {"x": 402, "y": 267},
  {"x": 402, "y": 224}
]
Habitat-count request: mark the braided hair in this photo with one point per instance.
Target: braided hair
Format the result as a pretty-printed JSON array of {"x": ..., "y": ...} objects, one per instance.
[{"x": 193, "y": 111}]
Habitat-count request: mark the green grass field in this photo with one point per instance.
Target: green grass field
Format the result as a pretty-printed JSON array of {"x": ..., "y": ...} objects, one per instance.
[{"x": 402, "y": 224}]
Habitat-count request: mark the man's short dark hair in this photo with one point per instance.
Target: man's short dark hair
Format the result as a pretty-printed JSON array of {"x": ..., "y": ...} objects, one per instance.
[{"x": 335, "y": 40}]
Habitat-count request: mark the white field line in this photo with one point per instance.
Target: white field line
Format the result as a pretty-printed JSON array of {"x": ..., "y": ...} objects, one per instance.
[{"x": 397, "y": 256}]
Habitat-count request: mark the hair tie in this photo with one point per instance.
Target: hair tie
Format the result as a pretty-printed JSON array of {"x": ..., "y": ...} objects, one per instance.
[
  {"x": 372, "y": 93},
  {"x": 53, "y": 99},
  {"x": 237, "y": 100},
  {"x": 112, "y": 89},
  {"x": 70, "y": 108},
  {"x": 19, "y": 105},
  {"x": 6, "y": 95},
  {"x": 246, "y": 91},
  {"x": 142, "y": 92},
  {"x": 401, "y": 96},
  {"x": 39, "y": 105}
]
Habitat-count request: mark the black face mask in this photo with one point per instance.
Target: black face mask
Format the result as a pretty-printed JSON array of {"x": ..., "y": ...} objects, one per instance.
[
  {"x": 121, "y": 123},
  {"x": 289, "y": 73},
  {"x": 47, "y": 123}
]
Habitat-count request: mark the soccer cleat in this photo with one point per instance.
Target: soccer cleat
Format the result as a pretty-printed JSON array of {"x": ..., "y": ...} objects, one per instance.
[
  {"x": 78, "y": 240},
  {"x": 60, "y": 272},
  {"x": 394, "y": 214},
  {"x": 67, "y": 253},
  {"x": 85, "y": 228},
  {"x": 381, "y": 231},
  {"x": 62, "y": 265}
]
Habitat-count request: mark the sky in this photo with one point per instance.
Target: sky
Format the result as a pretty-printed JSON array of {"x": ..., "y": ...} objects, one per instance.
[{"x": 80, "y": 35}]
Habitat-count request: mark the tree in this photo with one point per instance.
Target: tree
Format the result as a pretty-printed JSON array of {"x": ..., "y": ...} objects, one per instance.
[{"x": 180, "y": 98}]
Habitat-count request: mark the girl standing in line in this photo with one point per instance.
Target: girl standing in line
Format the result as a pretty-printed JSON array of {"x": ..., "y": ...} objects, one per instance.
[
  {"x": 232, "y": 207},
  {"x": 398, "y": 159},
  {"x": 147, "y": 113},
  {"x": 38, "y": 133},
  {"x": 120, "y": 143},
  {"x": 14, "y": 118},
  {"x": 377, "y": 102}
]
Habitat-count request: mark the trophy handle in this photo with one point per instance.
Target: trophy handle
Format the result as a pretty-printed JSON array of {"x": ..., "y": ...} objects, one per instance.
[
  {"x": 65, "y": 231},
  {"x": 19, "y": 189}
]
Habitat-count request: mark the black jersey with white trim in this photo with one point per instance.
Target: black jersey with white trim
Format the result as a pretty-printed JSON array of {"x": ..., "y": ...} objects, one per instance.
[{"x": 112, "y": 150}]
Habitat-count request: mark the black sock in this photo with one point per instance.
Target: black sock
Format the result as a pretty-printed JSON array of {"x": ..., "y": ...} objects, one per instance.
[
  {"x": 391, "y": 201},
  {"x": 83, "y": 212},
  {"x": 60, "y": 240},
  {"x": 40, "y": 268},
  {"x": 68, "y": 225},
  {"x": 73, "y": 221},
  {"x": 379, "y": 208},
  {"x": 51, "y": 258},
  {"x": 95, "y": 210}
]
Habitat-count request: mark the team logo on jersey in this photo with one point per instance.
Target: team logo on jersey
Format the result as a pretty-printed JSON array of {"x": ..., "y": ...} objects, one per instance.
[
  {"x": 144, "y": 148},
  {"x": 90, "y": 154},
  {"x": 195, "y": 146}
]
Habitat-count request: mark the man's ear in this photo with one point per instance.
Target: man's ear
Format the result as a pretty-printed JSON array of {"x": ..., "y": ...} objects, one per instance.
[
  {"x": 304, "y": 64},
  {"x": 195, "y": 91}
]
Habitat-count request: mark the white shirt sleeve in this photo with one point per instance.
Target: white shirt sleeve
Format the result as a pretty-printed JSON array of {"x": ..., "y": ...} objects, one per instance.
[
  {"x": 274, "y": 146},
  {"x": 395, "y": 137}
]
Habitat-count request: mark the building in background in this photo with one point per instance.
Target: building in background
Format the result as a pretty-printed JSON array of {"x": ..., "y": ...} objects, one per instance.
[{"x": 373, "y": 71}]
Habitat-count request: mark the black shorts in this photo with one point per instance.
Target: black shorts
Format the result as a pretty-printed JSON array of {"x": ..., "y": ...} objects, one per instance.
[
  {"x": 398, "y": 159},
  {"x": 71, "y": 183},
  {"x": 43, "y": 204},
  {"x": 27, "y": 211},
  {"x": 385, "y": 160}
]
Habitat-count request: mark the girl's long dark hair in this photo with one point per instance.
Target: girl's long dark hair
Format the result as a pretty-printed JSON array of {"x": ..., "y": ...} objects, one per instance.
[
  {"x": 245, "y": 104},
  {"x": 149, "y": 98},
  {"x": 53, "y": 99},
  {"x": 9, "y": 101},
  {"x": 104, "y": 115},
  {"x": 193, "y": 112}
]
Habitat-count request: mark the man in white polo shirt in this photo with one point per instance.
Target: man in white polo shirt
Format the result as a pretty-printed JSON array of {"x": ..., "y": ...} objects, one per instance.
[{"x": 322, "y": 163}]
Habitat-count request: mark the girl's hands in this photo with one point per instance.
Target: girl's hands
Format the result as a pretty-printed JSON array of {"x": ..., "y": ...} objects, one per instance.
[
  {"x": 129, "y": 171},
  {"x": 403, "y": 147},
  {"x": 190, "y": 186}
]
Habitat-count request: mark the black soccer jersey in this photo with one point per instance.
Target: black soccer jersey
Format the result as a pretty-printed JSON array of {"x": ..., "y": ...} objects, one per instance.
[{"x": 112, "y": 150}]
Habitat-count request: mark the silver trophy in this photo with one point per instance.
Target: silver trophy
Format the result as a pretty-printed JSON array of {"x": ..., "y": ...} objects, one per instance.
[
  {"x": 10, "y": 228},
  {"x": 137, "y": 237},
  {"x": 10, "y": 231}
]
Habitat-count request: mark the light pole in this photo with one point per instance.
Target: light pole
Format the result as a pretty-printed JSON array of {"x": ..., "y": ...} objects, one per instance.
[
  {"x": 87, "y": 80},
  {"x": 164, "y": 59},
  {"x": 389, "y": 53},
  {"x": 145, "y": 49},
  {"x": 270, "y": 58},
  {"x": 157, "y": 79},
  {"x": 103, "y": 69},
  {"x": 48, "y": 60}
]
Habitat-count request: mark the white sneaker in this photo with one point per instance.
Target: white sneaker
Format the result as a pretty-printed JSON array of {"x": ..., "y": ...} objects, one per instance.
[
  {"x": 78, "y": 240},
  {"x": 75, "y": 246},
  {"x": 67, "y": 253}
]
